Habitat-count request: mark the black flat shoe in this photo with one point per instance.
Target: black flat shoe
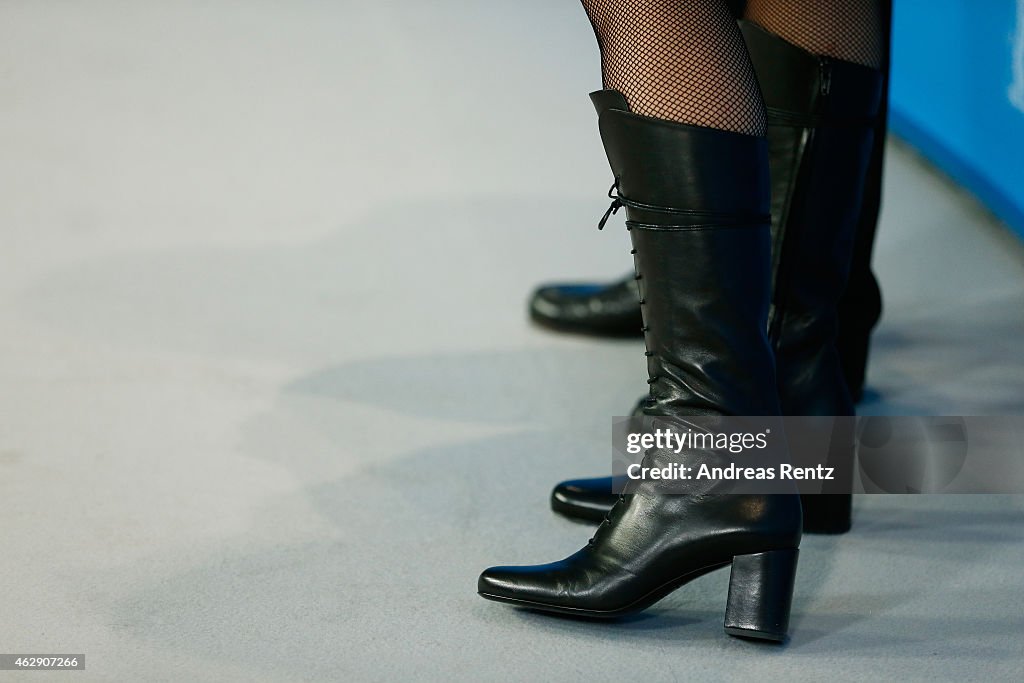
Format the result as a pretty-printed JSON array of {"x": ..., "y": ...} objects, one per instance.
[{"x": 600, "y": 310}]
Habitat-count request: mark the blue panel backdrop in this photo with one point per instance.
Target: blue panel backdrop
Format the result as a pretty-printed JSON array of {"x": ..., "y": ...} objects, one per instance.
[{"x": 958, "y": 94}]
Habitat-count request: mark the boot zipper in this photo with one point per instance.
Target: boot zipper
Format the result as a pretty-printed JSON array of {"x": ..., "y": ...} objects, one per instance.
[{"x": 825, "y": 78}]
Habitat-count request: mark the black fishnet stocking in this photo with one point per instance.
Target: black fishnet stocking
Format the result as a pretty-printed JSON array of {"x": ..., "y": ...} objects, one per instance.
[
  {"x": 680, "y": 60},
  {"x": 851, "y": 30}
]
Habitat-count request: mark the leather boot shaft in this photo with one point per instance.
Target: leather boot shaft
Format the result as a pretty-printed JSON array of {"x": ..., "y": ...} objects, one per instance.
[
  {"x": 696, "y": 202},
  {"x": 822, "y": 115}
]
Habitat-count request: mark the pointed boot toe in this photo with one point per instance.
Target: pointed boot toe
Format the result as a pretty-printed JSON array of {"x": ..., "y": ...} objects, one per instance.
[
  {"x": 498, "y": 583},
  {"x": 527, "y": 586}
]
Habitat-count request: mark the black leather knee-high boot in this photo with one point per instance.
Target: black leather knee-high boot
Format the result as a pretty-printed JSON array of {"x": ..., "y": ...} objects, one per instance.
[
  {"x": 696, "y": 201},
  {"x": 822, "y": 114},
  {"x": 822, "y": 118},
  {"x": 861, "y": 306}
]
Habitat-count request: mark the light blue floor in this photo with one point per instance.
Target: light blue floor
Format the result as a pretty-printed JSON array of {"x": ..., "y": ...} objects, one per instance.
[{"x": 270, "y": 400}]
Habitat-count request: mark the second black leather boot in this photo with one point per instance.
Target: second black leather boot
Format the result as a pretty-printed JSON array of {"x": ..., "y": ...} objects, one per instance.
[
  {"x": 861, "y": 305},
  {"x": 696, "y": 202},
  {"x": 822, "y": 115}
]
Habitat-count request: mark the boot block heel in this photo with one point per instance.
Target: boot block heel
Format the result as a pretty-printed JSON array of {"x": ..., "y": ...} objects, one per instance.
[{"x": 760, "y": 595}]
